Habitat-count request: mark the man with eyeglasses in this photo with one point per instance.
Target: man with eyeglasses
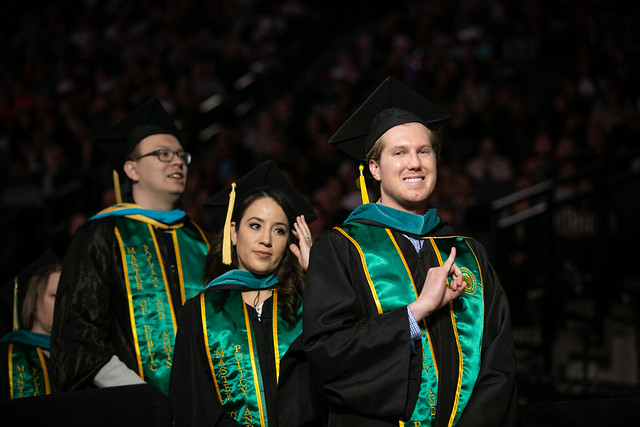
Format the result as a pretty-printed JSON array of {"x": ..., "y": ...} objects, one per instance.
[{"x": 130, "y": 268}]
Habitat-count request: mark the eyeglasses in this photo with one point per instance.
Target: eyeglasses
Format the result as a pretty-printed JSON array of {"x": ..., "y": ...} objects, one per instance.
[{"x": 168, "y": 155}]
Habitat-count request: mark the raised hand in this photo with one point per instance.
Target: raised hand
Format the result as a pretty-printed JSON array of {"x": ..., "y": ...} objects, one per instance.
[
  {"x": 435, "y": 291},
  {"x": 305, "y": 240}
]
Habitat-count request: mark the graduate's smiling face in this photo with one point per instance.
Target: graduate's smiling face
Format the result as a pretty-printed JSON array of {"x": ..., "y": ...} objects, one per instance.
[
  {"x": 406, "y": 168},
  {"x": 261, "y": 237},
  {"x": 155, "y": 179}
]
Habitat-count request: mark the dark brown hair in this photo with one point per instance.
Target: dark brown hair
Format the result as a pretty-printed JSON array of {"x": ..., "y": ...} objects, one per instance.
[{"x": 291, "y": 276}]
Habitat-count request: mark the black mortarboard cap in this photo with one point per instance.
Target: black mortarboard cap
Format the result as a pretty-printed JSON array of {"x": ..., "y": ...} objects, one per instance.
[
  {"x": 121, "y": 138},
  {"x": 45, "y": 259},
  {"x": 391, "y": 104},
  {"x": 266, "y": 174}
]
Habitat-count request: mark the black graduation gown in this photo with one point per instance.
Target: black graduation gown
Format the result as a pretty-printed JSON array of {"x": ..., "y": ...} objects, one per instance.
[
  {"x": 291, "y": 403},
  {"x": 5, "y": 391},
  {"x": 91, "y": 319},
  {"x": 364, "y": 361}
]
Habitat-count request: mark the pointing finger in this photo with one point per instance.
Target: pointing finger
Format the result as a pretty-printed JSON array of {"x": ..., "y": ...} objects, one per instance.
[{"x": 449, "y": 262}]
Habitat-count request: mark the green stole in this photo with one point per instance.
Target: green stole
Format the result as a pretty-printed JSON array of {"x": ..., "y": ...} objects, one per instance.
[
  {"x": 28, "y": 374},
  {"x": 153, "y": 320},
  {"x": 233, "y": 357},
  {"x": 392, "y": 287}
]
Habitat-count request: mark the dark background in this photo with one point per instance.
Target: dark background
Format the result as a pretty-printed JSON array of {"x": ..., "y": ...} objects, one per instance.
[{"x": 540, "y": 159}]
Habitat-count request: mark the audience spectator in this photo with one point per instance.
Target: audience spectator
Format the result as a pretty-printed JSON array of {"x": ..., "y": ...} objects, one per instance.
[
  {"x": 255, "y": 79},
  {"x": 491, "y": 172}
]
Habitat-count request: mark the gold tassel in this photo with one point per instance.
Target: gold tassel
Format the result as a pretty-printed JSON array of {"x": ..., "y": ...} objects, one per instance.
[
  {"x": 16, "y": 326},
  {"x": 363, "y": 187},
  {"x": 226, "y": 237},
  {"x": 116, "y": 187}
]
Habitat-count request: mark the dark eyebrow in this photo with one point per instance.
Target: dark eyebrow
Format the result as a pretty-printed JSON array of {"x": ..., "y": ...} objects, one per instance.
[{"x": 255, "y": 218}]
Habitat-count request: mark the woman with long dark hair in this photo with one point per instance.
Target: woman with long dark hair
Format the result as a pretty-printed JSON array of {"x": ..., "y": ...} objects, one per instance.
[{"x": 237, "y": 357}]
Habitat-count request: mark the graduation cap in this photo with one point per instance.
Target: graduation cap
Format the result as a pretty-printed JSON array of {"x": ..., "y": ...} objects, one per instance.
[
  {"x": 391, "y": 104},
  {"x": 13, "y": 292},
  {"x": 266, "y": 175},
  {"x": 119, "y": 140}
]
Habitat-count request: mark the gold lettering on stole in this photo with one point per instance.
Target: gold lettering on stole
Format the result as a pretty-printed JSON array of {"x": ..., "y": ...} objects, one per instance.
[
  {"x": 143, "y": 304},
  {"x": 20, "y": 382},
  {"x": 432, "y": 396},
  {"x": 425, "y": 363},
  {"x": 152, "y": 267},
  {"x": 238, "y": 356},
  {"x": 166, "y": 344},
  {"x": 242, "y": 384},
  {"x": 222, "y": 372},
  {"x": 432, "y": 402},
  {"x": 36, "y": 381},
  {"x": 147, "y": 335},
  {"x": 135, "y": 267},
  {"x": 417, "y": 424},
  {"x": 247, "y": 416},
  {"x": 160, "y": 306}
]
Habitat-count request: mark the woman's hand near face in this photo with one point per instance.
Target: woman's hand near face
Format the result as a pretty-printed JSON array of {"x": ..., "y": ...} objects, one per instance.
[{"x": 305, "y": 240}]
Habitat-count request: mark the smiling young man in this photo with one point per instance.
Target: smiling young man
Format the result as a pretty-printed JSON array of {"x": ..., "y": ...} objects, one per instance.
[
  {"x": 130, "y": 268},
  {"x": 405, "y": 322}
]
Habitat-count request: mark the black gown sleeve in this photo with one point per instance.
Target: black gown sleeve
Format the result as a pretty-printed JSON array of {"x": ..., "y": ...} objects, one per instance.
[
  {"x": 494, "y": 398},
  {"x": 362, "y": 358},
  {"x": 82, "y": 318},
  {"x": 191, "y": 390},
  {"x": 299, "y": 400}
]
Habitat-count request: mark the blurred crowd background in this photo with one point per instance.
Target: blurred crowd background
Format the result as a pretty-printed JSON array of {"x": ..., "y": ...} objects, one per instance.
[{"x": 539, "y": 91}]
